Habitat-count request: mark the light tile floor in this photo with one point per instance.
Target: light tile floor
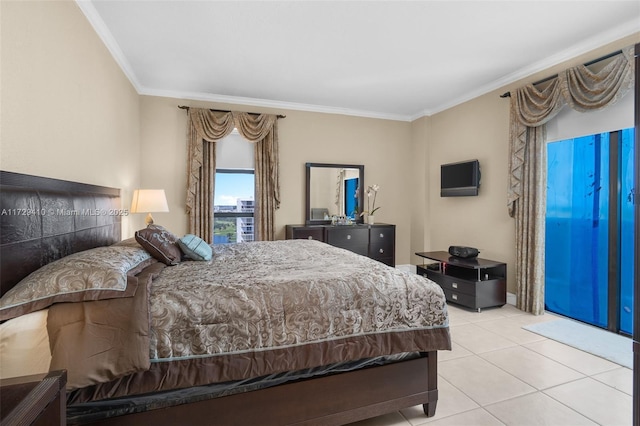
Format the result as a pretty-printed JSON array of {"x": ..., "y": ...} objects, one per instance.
[{"x": 499, "y": 374}]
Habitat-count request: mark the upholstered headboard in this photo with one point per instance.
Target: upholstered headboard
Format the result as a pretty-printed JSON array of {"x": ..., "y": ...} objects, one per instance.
[{"x": 44, "y": 219}]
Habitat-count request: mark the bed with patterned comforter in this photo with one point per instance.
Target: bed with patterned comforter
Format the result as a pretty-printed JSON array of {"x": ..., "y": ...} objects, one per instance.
[
  {"x": 255, "y": 309},
  {"x": 133, "y": 331}
]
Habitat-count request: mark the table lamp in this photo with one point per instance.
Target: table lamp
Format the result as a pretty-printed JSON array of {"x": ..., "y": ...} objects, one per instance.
[{"x": 149, "y": 200}]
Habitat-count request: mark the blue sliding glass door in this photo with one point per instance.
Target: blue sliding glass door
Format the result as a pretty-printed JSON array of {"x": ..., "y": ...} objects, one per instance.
[
  {"x": 589, "y": 241},
  {"x": 627, "y": 255}
]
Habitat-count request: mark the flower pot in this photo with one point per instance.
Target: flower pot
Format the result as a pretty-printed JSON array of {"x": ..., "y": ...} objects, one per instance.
[{"x": 371, "y": 219}]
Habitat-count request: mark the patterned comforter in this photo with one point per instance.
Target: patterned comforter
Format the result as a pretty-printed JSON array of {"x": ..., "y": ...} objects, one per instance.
[
  {"x": 265, "y": 295},
  {"x": 267, "y": 307}
]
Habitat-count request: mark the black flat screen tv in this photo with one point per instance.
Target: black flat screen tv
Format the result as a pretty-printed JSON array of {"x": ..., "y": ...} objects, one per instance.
[{"x": 460, "y": 179}]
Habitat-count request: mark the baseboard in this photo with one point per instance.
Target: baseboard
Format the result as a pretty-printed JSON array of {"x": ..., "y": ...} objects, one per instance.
[{"x": 407, "y": 268}]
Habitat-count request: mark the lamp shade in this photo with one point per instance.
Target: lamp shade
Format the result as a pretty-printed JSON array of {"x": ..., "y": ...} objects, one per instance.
[{"x": 149, "y": 200}]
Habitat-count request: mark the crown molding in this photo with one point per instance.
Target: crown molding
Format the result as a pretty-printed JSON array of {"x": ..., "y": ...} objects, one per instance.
[
  {"x": 587, "y": 45},
  {"x": 266, "y": 103},
  {"x": 92, "y": 15}
]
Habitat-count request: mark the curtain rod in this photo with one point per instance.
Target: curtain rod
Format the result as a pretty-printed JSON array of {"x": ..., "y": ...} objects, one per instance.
[
  {"x": 222, "y": 110},
  {"x": 602, "y": 58}
]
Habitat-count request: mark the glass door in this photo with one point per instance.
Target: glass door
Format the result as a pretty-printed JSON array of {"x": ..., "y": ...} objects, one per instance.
[
  {"x": 626, "y": 254},
  {"x": 589, "y": 229}
]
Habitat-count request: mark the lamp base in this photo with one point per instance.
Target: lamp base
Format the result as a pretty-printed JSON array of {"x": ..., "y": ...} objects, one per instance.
[{"x": 149, "y": 219}]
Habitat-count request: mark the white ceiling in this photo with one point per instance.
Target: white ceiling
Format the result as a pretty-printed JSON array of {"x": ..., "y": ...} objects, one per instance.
[{"x": 387, "y": 59}]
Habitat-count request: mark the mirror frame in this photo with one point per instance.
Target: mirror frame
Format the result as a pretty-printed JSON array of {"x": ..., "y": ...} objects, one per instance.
[{"x": 308, "y": 166}]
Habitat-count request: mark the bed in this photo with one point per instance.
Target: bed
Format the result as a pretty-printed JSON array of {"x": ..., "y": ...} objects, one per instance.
[{"x": 284, "y": 332}]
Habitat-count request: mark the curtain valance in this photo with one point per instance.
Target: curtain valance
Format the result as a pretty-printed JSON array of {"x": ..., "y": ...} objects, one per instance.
[
  {"x": 578, "y": 87},
  {"x": 531, "y": 109},
  {"x": 212, "y": 126}
]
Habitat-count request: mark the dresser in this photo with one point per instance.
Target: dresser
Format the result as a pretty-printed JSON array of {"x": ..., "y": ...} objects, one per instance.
[{"x": 375, "y": 241}]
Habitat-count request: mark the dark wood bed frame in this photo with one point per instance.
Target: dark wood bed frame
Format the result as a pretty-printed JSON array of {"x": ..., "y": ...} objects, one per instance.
[{"x": 45, "y": 219}]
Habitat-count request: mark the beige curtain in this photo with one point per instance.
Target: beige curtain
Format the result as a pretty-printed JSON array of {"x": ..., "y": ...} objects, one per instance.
[
  {"x": 205, "y": 128},
  {"x": 531, "y": 109}
]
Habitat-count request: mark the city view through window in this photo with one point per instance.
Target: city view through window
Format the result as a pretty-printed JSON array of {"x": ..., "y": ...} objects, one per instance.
[{"x": 233, "y": 206}]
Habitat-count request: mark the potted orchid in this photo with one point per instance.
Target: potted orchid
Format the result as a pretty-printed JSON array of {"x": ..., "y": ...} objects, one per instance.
[{"x": 372, "y": 190}]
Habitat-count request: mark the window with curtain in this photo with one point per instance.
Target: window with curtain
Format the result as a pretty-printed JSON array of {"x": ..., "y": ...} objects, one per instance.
[
  {"x": 532, "y": 110},
  {"x": 234, "y": 199}
]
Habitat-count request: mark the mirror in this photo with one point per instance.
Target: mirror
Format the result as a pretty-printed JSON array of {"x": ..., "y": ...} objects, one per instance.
[{"x": 333, "y": 189}]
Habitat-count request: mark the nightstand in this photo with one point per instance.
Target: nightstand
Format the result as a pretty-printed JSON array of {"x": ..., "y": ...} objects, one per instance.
[{"x": 39, "y": 400}]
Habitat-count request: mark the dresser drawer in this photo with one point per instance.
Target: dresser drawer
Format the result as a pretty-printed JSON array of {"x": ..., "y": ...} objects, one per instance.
[
  {"x": 450, "y": 283},
  {"x": 389, "y": 261},
  {"x": 354, "y": 238},
  {"x": 460, "y": 298},
  {"x": 382, "y": 244},
  {"x": 309, "y": 234},
  {"x": 301, "y": 232}
]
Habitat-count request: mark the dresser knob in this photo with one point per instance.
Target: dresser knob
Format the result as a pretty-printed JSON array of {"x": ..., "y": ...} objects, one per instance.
[
  {"x": 454, "y": 296},
  {"x": 348, "y": 237},
  {"x": 454, "y": 285},
  {"x": 381, "y": 251},
  {"x": 310, "y": 237},
  {"x": 381, "y": 235}
]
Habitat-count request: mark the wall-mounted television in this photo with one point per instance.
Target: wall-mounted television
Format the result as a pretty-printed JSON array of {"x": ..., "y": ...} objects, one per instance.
[{"x": 460, "y": 179}]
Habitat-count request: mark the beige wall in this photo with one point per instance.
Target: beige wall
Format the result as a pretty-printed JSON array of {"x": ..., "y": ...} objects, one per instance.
[
  {"x": 68, "y": 111},
  {"x": 420, "y": 188},
  {"x": 479, "y": 130},
  {"x": 383, "y": 146},
  {"x": 164, "y": 157}
]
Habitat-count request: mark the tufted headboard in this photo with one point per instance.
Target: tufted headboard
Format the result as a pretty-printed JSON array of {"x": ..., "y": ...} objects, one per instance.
[{"x": 44, "y": 219}]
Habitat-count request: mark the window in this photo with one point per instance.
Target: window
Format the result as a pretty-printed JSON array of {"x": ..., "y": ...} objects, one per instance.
[
  {"x": 589, "y": 229},
  {"x": 234, "y": 196},
  {"x": 233, "y": 206}
]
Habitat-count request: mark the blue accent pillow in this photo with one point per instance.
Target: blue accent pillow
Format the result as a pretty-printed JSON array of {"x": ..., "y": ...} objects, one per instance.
[{"x": 195, "y": 248}]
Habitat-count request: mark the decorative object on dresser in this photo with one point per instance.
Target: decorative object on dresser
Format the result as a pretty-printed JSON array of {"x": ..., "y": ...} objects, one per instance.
[
  {"x": 375, "y": 241},
  {"x": 371, "y": 207},
  {"x": 472, "y": 282}
]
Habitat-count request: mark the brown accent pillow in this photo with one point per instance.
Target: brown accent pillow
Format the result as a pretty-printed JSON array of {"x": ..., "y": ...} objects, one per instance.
[{"x": 160, "y": 243}]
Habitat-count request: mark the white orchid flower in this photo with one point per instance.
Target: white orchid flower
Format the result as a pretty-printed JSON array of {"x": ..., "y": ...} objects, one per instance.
[{"x": 371, "y": 207}]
